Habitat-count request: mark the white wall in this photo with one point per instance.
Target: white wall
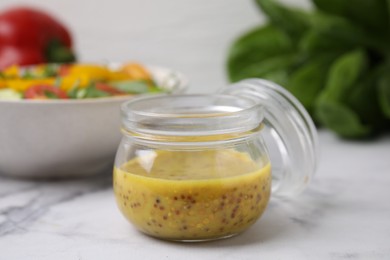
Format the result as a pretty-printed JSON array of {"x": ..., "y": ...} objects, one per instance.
[{"x": 188, "y": 35}]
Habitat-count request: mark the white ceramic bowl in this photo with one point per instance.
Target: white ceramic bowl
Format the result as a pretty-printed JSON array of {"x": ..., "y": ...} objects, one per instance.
[{"x": 64, "y": 138}]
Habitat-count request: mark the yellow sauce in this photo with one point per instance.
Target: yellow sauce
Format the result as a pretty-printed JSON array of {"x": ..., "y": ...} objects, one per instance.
[{"x": 193, "y": 195}]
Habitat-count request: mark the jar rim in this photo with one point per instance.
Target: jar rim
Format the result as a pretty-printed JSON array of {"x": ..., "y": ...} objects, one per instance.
[{"x": 191, "y": 115}]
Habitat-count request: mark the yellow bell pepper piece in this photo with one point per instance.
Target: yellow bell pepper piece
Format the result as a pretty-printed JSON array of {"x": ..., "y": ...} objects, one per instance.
[
  {"x": 70, "y": 81},
  {"x": 93, "y": 72},
  {"x": 81, "y": 76},
  {"x": 23, "y": 84},
  {"x": 11, "y": 72},
  {"x": 3, "y": 83},
  {"x": 119, "y": 76}
]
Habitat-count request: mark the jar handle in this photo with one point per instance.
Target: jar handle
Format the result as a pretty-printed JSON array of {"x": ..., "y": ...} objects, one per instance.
[{"x": 290, "y": 134}]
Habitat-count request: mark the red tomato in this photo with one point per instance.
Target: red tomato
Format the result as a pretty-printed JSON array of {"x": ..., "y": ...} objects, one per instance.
[
  {"x": 43, "y": 92},
  {"x": 109, "y": 89}
]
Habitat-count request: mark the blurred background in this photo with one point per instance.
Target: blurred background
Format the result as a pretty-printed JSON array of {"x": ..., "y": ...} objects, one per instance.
[
  {"x": 187, "y": 35},
  {"x": 332, "y": 55}
]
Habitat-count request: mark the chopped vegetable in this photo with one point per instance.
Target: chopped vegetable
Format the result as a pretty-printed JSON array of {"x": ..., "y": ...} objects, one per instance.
[
  {"x": 136, "y": 71},
  {"x": 44, "y": 92},
  {"x": 20, "y": 84},
  {"x": 76, "y": 81},
  {"x": 131, "y": 86},
  {"x": 109, "y": 89},
  {"x": 10, "y": 94}
]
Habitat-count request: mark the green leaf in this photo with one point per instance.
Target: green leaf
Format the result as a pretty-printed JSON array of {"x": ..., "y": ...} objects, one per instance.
[
  {"x": 384, "y": 94},
  {"x": 279, "y": 76},
  {"x": 27, "y": 74},
  {"x": 259, "y": 43},
  {"x": 341, "y": 119},
  {"x": 256, "y": 46},
  {"x": 266, "y": 67},
  {"x": 388, "y": 13},
  {"x": 338, "y": 28},
  {"x": 371, "y": 14},
  {"x": 72, "y": 93},
  {"x": 364, "y": 99},
  {"x": 92, "y": 92},
  {"x": 291, "y": 20},
  {"x": 156, "y": 89},
  {"x": 332, "y": 108},
  {"x": 343, "y": 30},
  {"x": 348, "y": 91},
  {"x": 50, "y": 95},
  {"x": 88, "y": 92},
  {"x": 309, "y": 79},
  {"x": 131, "y": 86},
  {"x": 50, "y": 70},
  {"x": 344, "y": 73},
  {"x": 331, "y": 6},
  {"x": 315, "y": 42}
]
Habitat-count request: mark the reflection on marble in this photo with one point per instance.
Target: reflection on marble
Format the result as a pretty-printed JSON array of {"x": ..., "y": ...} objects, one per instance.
[
  {"x": 22, "y": 202},
  {"x": 345, "y": 214}
]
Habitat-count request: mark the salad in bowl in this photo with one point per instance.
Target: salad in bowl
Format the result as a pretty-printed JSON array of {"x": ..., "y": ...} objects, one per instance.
[
  {"x": 76, "y": 81},
  {"x": 64, "y": 120}
]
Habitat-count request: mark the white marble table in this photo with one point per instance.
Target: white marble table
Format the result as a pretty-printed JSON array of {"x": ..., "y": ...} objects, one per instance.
[{"x": 344, "y": 215}]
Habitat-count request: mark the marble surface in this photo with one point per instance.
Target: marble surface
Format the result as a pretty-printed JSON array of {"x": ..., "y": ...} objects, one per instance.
[{"x": 345, "y": 214}]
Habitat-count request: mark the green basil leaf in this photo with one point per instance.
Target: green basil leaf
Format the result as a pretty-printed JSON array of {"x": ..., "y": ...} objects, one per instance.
[
  {"x": 344, "y": 73},
  {"x": 315, "y": 42},
  {"x": 348, "y": 105},
  {"x": 338, "y": 28},
  {"x": 364, "y": 100},
  {"x": 345, "y": 31},
  {"x": 341, "y": 119},
  {"x": 331, "y": 6},
  {"x": 388, "y": 12},
  {"x": 371, "y": 14},
  {"x": 267, "y": 68},
  {"x": 309, "y": 79},
  {"x": 131, "y": 87},
  {"x": 291, "y": 20},
  {"x": 254, "y": 47},
  {"x": 279, "y": 76},
  {"x": 384, "y": 93}
]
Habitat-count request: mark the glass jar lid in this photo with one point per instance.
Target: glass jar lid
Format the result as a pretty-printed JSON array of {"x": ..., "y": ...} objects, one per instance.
[{"x": 290, "y": 134}]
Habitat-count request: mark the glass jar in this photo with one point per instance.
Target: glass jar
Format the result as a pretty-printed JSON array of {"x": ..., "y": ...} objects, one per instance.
[{"x": 198, "y": 167}]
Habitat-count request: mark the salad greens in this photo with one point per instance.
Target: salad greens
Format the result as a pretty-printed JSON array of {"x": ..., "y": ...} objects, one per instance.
[{"x": 335, "y": 59}]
